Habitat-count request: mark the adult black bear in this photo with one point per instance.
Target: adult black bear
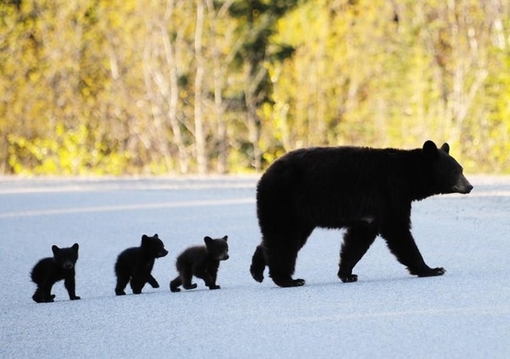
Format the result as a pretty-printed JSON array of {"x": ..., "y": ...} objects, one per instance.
[
  {"x": 202, "y": 262},
  {"x": 367, "y": 191},
  {"x": 50, "y": 270},
  {"x": 136, "y": 264}
]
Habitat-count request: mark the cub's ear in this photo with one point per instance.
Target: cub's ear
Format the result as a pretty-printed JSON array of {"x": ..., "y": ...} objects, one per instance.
[
  {"x": 75, "y": 247},
  {"x": 156, "y": 235},
  {"x": 429, "y": 149},
  {"x": 144, "y": 239},
  {"x": 55, "y": 249},
  {"x": 225, "y": 238},
  {"x": 445, "y": 147},
  {"x": 208, "y": 239}
]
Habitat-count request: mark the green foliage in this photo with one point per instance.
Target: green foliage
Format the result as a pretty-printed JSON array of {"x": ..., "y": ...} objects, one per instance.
[{"x": 115, "y": 87}]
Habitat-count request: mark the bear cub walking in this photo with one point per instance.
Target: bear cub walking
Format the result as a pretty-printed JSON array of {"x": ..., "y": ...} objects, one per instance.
[
  {"x": 202, "y": 262},
  {"x": 50, "y": 270},
  {"x": 136, "y": 264}
]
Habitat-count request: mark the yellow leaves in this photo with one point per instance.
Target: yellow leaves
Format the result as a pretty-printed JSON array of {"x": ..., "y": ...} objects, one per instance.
[
  {"x": 67, "y": 153},
  {"x": 83, "y": 84}
]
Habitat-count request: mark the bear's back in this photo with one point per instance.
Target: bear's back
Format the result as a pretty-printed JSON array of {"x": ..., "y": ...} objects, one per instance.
[
  {"x": 330, "y": 185},
  {"x": 126, "y": 260},
  {"x": 42, "y": 269},
  {"x": 192, "y": 256}
]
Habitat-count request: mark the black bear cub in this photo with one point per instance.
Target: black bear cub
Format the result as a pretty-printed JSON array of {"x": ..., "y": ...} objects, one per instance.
[
  {"x": 202, "y": 262},
  {"x": 136, "y": 264},
  {"x": 50, "y": 270}
]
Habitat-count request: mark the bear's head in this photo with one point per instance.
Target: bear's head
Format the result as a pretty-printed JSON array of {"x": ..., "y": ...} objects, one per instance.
[
  {"x": 445, "y": 172},
  {"x": 217, "y": 248},
  {"x": 65, "y": 257},
  {"x": 153, "y": 246}
]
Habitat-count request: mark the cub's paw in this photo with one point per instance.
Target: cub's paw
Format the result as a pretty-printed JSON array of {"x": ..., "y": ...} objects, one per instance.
[
  {"x": 214, "y": 287},
  {"x": 75, "y": 298},
  {"x": 286, "y": 283},
  {"x": 120, "y": 292},
  {"x": 432, "y": 272},
  {"x": 192, "y": 286},
  {"x": 348, "y": 278}
]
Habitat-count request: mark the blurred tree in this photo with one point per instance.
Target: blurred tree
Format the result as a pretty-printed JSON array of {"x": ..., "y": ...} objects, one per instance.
[
  {"x": 257, "y": 23},
  {"x": 175, "y": 86}
]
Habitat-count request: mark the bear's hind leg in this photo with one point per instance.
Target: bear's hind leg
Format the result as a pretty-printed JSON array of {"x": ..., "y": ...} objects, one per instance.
[
  {"x": 175, "y": 284},
  {"x": 282, "y": 253},
  {"x": 122, "y": 281},
  {"x": 38, "y": 296},
  {"x": 258, "y": 264},
  {"x": 187, "y": 276},
  {"x": 357, "y": 240}
]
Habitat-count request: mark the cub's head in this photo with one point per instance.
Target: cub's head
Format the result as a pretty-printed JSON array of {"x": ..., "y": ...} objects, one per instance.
[
  {"x": 217, "y": 248},
  {"x": 446, "y": 172},
  {"x": 153, "y": 246},
  {"x": 65, "y": 257}
]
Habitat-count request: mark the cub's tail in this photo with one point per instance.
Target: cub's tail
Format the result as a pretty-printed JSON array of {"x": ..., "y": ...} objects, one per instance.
[{"x": 258, "y": 264}]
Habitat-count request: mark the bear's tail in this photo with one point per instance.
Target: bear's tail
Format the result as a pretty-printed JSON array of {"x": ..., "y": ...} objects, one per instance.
[{"x": 258, "y": 264}]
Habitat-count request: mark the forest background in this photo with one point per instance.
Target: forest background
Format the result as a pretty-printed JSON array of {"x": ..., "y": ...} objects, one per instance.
[{"x": 204, "y": 86}]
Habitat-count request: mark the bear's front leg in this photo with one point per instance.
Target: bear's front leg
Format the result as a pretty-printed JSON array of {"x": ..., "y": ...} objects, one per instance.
[
  {"x": 429, "y": 272},
  {"x": 402, "y": 245},
  {"x": 137, "y": 284},
  {"x": 70, "y": 285},
  {"x": 206, "y": 276},
  {"x": 152, "y": 281},
  {"x": 347, "y": 277},
  {"x": 210, "y": 281}
]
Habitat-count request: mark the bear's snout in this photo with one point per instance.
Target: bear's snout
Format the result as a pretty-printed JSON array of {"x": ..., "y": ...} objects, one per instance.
[
  {"x": 162, "y": 253},
  {"x": 463, "y": 186},
  {"x": 68, "y": 265}
]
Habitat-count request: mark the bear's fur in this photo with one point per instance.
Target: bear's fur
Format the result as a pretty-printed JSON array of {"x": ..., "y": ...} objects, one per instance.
[
  {"x": 50, "y": 270},
  {"x": 202, "y": 262},
  {"x": 135, "y": 264},
  {"x": 367, "y": 191}
]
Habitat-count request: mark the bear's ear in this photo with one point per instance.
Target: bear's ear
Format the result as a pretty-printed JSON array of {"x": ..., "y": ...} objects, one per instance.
[
  {"x": 55, "y": 249},
  {"x": 225, "y": 238},
  {"x": 208, "y": 240},
  {"x": 445, "y": 147},
  {"x": 429, "y": 149},
  {"x": 75, "y": 247},
  {"x": 144, "y": 239},
  {"x": 156, "y": 235}
]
